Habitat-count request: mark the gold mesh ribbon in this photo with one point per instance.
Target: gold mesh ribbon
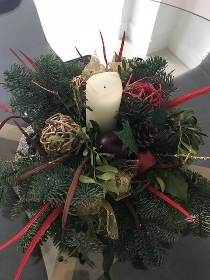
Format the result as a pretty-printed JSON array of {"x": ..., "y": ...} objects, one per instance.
[
  {"x": 122, "y": 181},
  {"x": 107, "y": 221},
  {"x": 105, "y": 213}
]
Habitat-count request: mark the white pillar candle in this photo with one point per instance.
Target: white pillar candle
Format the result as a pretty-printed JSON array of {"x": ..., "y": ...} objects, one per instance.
[{"x": 103, "y": 94}]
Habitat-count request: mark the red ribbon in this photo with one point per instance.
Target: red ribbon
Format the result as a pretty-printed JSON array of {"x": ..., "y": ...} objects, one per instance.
[
  {"x": 14, "y": 117},
  {"x": 37, "y": 237},
  {"x": 22, "y": 62},
  {"x": 6, "y": 109},
  {"x": 121, "y": 48},
  {"x": 104, "y": 49},
  {"x": 186, "y": 97},
  {"x": 25, "y": 229},
  {"x": 171, "y": 202}
]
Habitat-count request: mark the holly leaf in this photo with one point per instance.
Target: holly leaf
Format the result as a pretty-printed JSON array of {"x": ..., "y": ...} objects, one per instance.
[
  {"x": 176, "y": 184},
  {"x": 126, "y": 135}
]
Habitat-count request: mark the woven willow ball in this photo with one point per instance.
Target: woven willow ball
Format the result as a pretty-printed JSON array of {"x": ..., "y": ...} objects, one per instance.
[{"x": 59, "y": 135}]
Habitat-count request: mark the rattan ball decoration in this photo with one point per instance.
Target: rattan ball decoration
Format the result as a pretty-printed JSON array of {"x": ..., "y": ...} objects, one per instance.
[{"x": 59, "y": 135}]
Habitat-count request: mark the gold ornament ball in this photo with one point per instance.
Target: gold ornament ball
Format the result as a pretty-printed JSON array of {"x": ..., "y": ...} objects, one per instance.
[{"x": 59, "y": 135}]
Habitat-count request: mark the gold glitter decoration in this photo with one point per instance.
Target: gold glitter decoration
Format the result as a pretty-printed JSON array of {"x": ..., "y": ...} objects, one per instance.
[
  {"x": 93, "y": 67},
  {"x": 79, "y": 82},
  {"x": 188, "y": 156}
]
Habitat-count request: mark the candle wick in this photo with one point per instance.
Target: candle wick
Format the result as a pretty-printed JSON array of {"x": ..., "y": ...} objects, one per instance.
[{"x": 104, "y": 86}]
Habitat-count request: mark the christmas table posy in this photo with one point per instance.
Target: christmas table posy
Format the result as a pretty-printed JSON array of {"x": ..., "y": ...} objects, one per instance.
[{"x": 107, "y": 161}]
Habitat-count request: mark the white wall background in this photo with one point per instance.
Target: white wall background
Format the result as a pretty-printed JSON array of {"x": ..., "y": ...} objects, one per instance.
[
  {"x": 190, "y": 38},
  {"x": 199, "y": 7},
  {"x": 68, "y": 23},
  {"x": 153, "y": 26}
]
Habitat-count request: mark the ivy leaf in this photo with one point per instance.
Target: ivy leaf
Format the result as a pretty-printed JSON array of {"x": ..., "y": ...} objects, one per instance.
[
  {"x": 85, "y": 152},
  {"x": 109, "y": 186},
  {"x": 82, "y": 135},
  {"x": 56, "y": 138},
  {"x": 176, "y": 184},
  {"x": 107, "y": 168},
  {"x": 98, "y": 160},
  {"x": 86, "y": 179},
  {"x": 188, "y": 147},
  {"x": 126, "y": 135},
  {"x": 106, "y": 176},
  {"x": 161, "y": 183}
]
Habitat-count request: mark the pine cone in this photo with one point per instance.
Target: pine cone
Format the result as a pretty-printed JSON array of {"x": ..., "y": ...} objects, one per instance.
[
  {"x": 144, "y": 133},
  {"x": 59, "y": 135}
]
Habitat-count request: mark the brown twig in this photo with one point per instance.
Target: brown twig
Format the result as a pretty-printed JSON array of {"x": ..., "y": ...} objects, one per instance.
[
  {"x": 48, "y": 165},
  {"x": 134, "y": 214},
  {"x": 51, "y": 91},
  {"x": 81, "y": 56}
]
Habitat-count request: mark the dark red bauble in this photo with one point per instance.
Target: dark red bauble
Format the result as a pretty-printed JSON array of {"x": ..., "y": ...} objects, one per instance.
[
  {"x": 111, "y": 143},
  {"x": 146, "y": 160}
]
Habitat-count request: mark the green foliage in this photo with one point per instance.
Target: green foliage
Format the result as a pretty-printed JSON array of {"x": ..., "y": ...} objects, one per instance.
[
  {"x": 159, "y": 118},
  {"x": 199, "y": 204},
  {"x": 53, "y": 75},
  {"x": 134, "y": 110},
  {"x": 152, "y": 66},
  {"x": 50, "y": 90},
  {"x": 174, "y": 182}
]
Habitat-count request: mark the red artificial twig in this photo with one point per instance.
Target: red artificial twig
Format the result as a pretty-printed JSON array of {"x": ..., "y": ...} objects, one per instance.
[
  {"x": 22, "y": 62},
  {"x": 33, "y": 64},
  {"x": 104, "y": 49},
  {"x": 37, "y": 238},
  {"x": 121, "y": 48},
  {"x": 186, "y": 97},
  {"x": 26, "y": 228},
  {"x": 14, "y": 117},
  {"x": 170, "y": 201},
  {"x": 71, "y": 192},
  {"x": 6, "y": 109},
  {"x": 146, "y": 91}
]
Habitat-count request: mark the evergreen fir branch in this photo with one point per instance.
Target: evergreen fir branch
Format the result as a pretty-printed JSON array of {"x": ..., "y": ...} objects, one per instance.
[
  {"x": 199, "y": 204},
  {"x": 134, "y": 110},
  {"x": 52, "y": 74},
  {"x": 152, "y": 66}
]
